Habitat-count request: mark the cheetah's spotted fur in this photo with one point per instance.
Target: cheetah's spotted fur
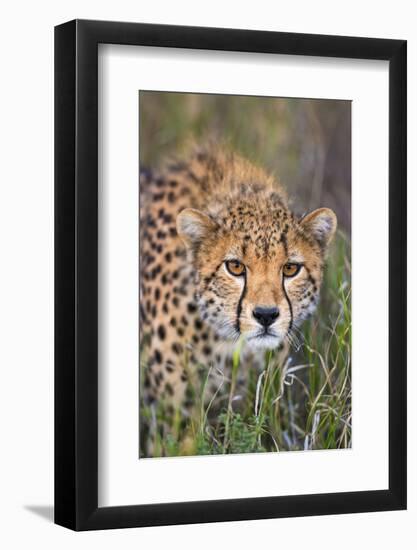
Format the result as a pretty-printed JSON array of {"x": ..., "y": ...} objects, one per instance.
[{"x": 196, "y": 215}]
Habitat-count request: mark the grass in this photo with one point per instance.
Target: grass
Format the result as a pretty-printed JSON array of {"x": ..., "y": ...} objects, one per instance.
[{"x": 303, "y": 404}]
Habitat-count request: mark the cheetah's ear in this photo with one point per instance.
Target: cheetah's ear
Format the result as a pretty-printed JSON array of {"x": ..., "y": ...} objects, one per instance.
[
  {"x": 193, "y": 226},
  {"x": 322, "y": 224}
]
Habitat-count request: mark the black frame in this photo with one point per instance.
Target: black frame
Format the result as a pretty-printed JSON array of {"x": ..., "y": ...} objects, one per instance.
[{"x": 76, "y": 270}]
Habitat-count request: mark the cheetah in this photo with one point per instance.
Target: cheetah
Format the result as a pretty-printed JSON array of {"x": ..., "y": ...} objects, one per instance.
[{"x": 223, "y": 260}]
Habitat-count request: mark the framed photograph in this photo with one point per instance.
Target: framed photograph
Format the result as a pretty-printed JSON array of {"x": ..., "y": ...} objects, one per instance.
[{"x": 230, "y": 252}]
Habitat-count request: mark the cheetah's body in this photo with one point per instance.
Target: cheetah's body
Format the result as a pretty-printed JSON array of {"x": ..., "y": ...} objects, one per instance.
[{"x": 196, "y": 216}]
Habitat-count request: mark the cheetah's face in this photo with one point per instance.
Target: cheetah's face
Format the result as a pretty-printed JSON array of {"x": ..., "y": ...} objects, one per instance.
[{"x": 261, "y": 277}]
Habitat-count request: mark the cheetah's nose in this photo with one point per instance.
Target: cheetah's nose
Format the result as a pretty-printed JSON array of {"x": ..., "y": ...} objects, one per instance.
[{"x": 265, "y": 315}]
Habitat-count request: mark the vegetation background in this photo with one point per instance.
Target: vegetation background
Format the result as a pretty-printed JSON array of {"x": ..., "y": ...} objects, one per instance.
[{"x": 305, "y": 404}]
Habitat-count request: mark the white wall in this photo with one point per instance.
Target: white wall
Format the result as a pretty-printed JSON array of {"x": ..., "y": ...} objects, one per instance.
[{"x": 26, "y": 275}]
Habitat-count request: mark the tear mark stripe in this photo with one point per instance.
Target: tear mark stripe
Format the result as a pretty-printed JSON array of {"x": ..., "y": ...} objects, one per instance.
[
  {"x": 289, "y": 306},
  {"x": 239, "y": 304}
]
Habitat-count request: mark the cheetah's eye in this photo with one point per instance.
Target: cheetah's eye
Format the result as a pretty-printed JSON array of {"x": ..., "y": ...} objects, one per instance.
[
  {"x": 234, "y": 267},
  {"x": 291, "y": 270}
]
